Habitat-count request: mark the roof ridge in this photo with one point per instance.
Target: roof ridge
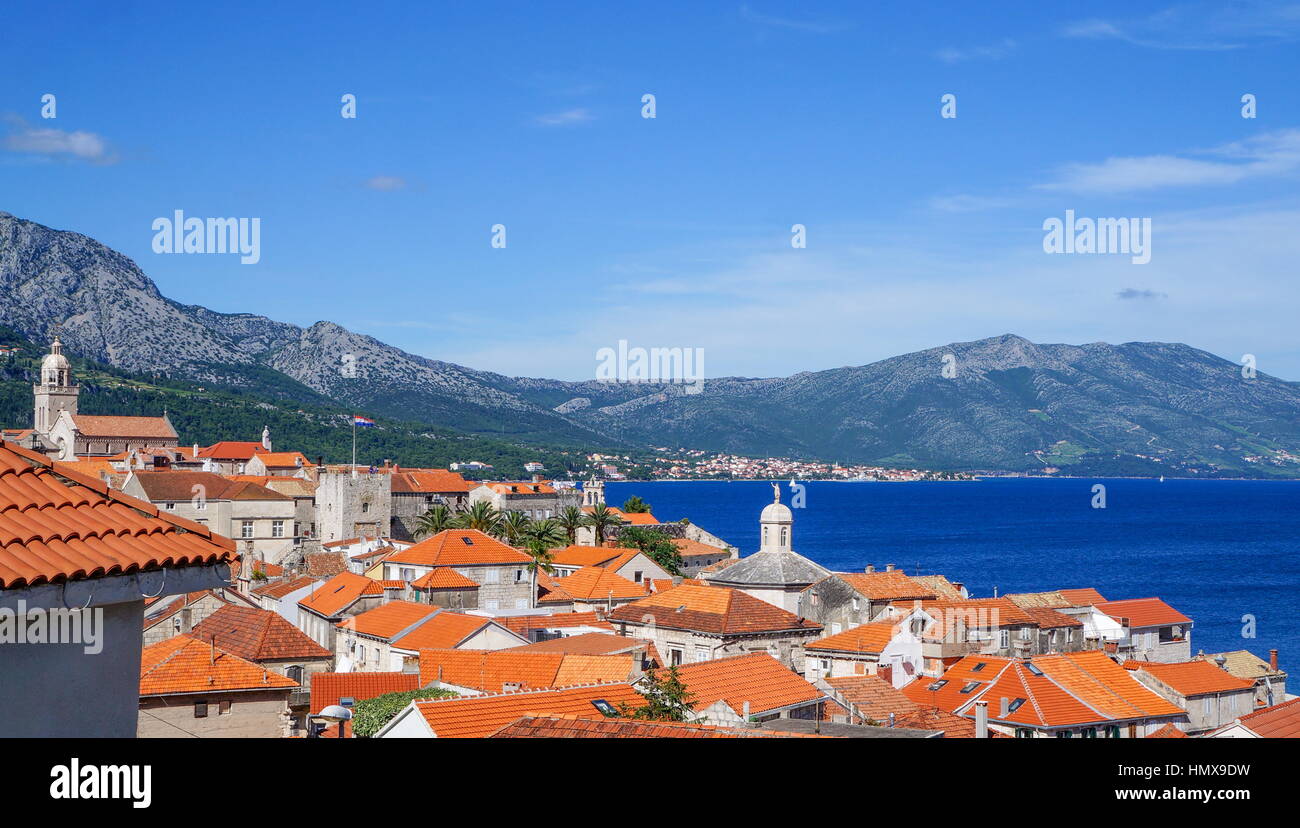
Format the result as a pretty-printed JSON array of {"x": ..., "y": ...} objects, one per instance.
[{"x": 1103, "y": 685}]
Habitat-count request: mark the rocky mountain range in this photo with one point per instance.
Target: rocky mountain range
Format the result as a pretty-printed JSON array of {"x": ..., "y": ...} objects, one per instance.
[{"x": 1009, "y": 404}]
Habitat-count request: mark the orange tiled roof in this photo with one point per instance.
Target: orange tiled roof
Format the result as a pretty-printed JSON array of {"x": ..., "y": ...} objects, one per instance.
[
  {"x": 182, "y": 664},
  {"x": 446, "y": 630},
  {"x": 1192, "y": 678},
  {"x": 1167, "y": 732},
  {"x": 419, "y": 481},
  {"x": 1281, "y": 721},
  {"x": 1143, "y": 612},
  {"x": 284, "y": 459},
  {"x": 521, "y": 488},
  {"x": 952, "y": 725},
  {"x": 943, "y": 589},
  {"x": 231, "y": 450},
  {"x": 96, "y": 426},
  {"x": 340, "y": 592},
  {"x": 490, "y": 671},
  {"x": 887, "y": 586},
  {"x": 387, "y": 620},
  {"x": 872, "y": 696},
  {"x": 756, "y": 678},
  {"x": 1082, "y": 597},
  {"x": 575, "y": 727},
  {"x": 329, "y": 688},
  {"x": 693, "y": 548},
  {"x": 867, "y": 638},
  {"x": 180, "y": 486},
  {"x": 711, "y": 609},
  {"x": 460, "y": 547},
  {"x": 592, "y": 583},
  {"x": 524, "y": 624},
  {"x": 1047, "y": 619},
  {"x": 479, "y": 716},
  {"x": 257, "y": 635},
  {"x": 1068, "y": 689},
  {"x": 576, "y": 555},
  {"x": 60, "y": 525},
  {"x": 443, "y": 577},
  {"x": 279, "y": 589},
  {"x": 596, "y": 643}
]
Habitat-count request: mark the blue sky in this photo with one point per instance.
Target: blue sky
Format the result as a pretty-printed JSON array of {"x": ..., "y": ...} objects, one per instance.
[{"x": 676, "y": 231}]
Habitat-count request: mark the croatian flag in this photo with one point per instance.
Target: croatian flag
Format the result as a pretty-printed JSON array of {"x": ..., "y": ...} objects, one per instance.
[{"x": 362, "y": 422}]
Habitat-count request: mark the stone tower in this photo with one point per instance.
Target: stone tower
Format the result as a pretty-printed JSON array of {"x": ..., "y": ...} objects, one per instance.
[
  {"x": 593, "y": 492},
  {"x": 56, "y": 391}
]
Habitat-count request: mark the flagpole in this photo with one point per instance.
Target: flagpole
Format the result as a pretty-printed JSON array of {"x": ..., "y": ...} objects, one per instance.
[{"x": 354, "y": 445}]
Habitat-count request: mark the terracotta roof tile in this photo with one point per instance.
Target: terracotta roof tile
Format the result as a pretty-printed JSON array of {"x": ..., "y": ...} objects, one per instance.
[
  {"x": 492, "y": 671},
  {"x": 182, "y": 664},
  {"x": 1143, "y": 612},
  {"x": 257, "y": 635},
  {"x": 887, "y": 586},
  {"x": 756, "y": 678},
  {"x": 872, "y": 696},
  {"x": 480, "y": 716},
  {"x": 329, "y": 688},
  {"x": 1167, "y": 732},
  {"x": 340, "y": 592},
  {"x": 60, "y": 525},
  {"x": 443, "y": 577},
  {"x": 596, "y": 643},
  {"x": 524, "y": 624},
  {"x": 1192, "y": 678},
  {"x": 98, "y": 426},
  {"x": 1281, "y": 721},
  {"x": 711, "y": 609},
  {"x": 390, "y": 619},
  {"x": 866, "y": 638},
  {"x": 437, "y": 481},
  {"x": 592, "y": 583},
  {"x": 572, "y": 727},
  {"x": 576, "y": 555},
  {"x": 279, "y": 589},
  {"x": 460, "y": 547}
]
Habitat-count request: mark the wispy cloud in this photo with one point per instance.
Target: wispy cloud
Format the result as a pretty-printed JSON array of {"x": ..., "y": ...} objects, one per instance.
[
  {"x": 56, "y": 143},
  {"x": 1139, "y": 293},
  {"x": 966, "y": 203},
  {"x": 994, "y": 51},
  {"x": 386, "y": 183},
  {"x": 809, "y": 26},
  {"x": 569, "y": 117},
  {"x": 1209, "y": 26},
  {"x": 1270, "y": 154}
]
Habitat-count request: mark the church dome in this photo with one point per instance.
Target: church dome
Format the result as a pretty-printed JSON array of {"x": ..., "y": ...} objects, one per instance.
[
  {"x": 55, "y": 368},
  {"x": 776, "y": 513}
]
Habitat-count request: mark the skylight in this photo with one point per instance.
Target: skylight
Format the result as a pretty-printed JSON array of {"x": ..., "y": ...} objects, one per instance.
[{"x": 1015, "y": 705}]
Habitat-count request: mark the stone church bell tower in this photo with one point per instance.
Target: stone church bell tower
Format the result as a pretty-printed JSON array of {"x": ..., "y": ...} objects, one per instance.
[{"x": 56, "y": 392}]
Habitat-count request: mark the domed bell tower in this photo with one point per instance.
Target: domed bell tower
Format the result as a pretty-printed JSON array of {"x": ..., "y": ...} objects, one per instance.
[
  {"x": 56, "y": 392},
  {"x": 775, "y": 525}
]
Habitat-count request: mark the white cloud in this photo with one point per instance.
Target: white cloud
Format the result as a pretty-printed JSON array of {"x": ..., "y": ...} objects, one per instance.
[
  {"x": 1271, "y": 154},
  {"x": 995, "y": 51},
  {"x": 569, "y": 117},
  {"x": 79, "y": 145},
  {"x": 1205, "y": 26},
  {"x": 386, "y": 183}
]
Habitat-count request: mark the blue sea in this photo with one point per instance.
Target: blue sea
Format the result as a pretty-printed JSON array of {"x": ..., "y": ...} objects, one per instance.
[{"x": 1216, "y": 550}]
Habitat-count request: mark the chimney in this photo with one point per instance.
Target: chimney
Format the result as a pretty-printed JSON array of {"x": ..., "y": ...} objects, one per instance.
[
  {"x": 891, "y": 718},
  {"x": 187, "y": 620},
  {"x": 886, "y": 672},
  {"x": 744, "y": 712},
  {"x": 889, "y": 567},
  {"x": 677, "y": 581},
  {"x": 982, "y": 719},
  {"x": 870, "y": 568},
  {"x": 1004, "y": 708},
  {"x": 1272, "y": 660}
]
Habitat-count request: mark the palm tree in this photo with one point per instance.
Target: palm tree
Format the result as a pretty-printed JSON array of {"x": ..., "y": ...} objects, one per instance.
[
  {"x": 601, "y": 519},
  {"x": 514, "y": 527},
  {"x": 570, "y": 520},
  {"x": 548, "y": 532},
  {"x": 482, "y": 516},
  {"x": 437, "y": 519},
  {"x": 542, "y": 557}
]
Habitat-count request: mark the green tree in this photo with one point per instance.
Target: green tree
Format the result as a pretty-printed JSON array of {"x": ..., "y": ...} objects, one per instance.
[
  {"x": 437, "y": 519},
  {"x": 666, "y": 699},
  {"x": 602, "y": 520},
  {"x": 482, "y": 516},
  {"x": 514, "y": 527},
  {"x": 657, "y": 546},
  {"x": 635, "y": 504},
  {"x": 570, "y": 519}
]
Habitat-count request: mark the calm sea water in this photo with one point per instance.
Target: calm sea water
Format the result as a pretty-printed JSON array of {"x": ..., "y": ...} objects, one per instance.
[{"x": 1216, "y": 550}]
